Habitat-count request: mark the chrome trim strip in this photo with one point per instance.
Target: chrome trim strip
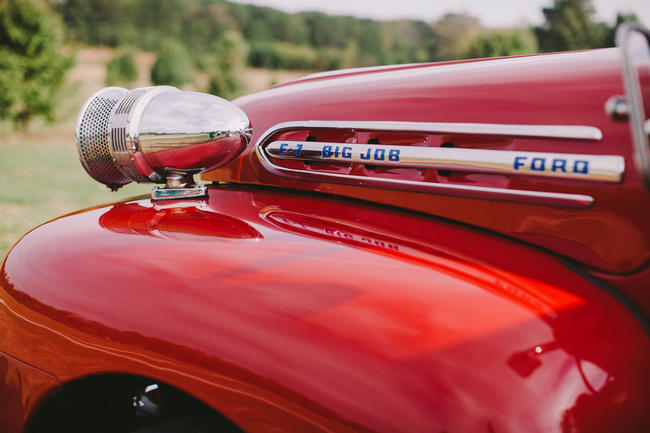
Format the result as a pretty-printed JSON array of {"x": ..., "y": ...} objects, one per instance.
[
  {"x": 607, "y": 168},
  {"x": 480, "y": 192},
  {"x": 467, "y": 191},
  {"x": 568, "y": 132}
]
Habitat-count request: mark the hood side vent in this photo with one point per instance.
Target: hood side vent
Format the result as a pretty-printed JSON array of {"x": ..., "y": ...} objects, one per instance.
[{"x": 483, "y": 161}]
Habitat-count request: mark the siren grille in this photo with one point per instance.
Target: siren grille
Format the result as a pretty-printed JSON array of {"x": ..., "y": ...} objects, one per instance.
[
  {"x": 92, "y": 137},
  {"x": 120, "y": 142}
]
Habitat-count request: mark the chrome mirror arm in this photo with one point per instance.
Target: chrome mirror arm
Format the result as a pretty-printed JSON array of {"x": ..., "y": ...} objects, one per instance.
[{"x": 635, "y": 111}]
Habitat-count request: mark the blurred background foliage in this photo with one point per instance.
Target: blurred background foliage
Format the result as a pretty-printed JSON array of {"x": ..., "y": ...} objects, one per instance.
[
  {"x": 55, "y": 53},
  {"x": 216, "y": 40},
  {"x": 173, "y": 64},
  {"x": 33, "y": 61}
]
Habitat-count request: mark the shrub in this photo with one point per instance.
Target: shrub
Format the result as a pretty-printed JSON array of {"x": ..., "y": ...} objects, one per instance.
[
  {"x": 502, "y": 43},
  {"x": 173, "y": 65},
  {"x": 121, "y": 69},
  {"x": 282, "y": 55},
  {"x": 32, "y": 61}
]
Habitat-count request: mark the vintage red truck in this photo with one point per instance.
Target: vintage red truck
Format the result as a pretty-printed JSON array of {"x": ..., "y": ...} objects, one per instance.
[{"x": 450, "y": 247}]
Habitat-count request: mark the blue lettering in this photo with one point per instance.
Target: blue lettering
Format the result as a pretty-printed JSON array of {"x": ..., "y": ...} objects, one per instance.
[
  {"x": 380, "y": 154},
  {"x": 367, "y": 155},
  {"x": 581, "y": 167},
  {"x": 559, "y": 164},
  {"x": 326, "y": 152},
  {"x": 519, "y": 162},
  {"x": 336, "y": 152},
  {"x": 393, "y": 155},
  {"x": 538, "y": 164},
  {"x": 300, "y": 146},
  {"x": 346, "y": 152},
  {"x": 283, "y": 148}
]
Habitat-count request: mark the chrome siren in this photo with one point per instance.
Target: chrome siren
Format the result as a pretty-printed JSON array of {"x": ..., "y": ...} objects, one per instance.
[{"x": 158, "y": 135}]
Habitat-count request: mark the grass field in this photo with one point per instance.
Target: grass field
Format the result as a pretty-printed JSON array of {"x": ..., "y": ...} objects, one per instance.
[{"x": 40, "y": 174}]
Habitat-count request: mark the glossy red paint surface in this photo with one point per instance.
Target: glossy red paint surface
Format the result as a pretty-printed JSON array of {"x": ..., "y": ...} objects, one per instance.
[
  {"x": 296, "y": 312},
  {"x": 373, "y": 69},
  {"x": 23, "y": 388},
  {"x": 612, "y": 236}
]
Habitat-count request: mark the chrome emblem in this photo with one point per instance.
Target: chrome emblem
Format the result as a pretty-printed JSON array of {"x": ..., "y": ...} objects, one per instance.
[{"x": 607, "y": 168}]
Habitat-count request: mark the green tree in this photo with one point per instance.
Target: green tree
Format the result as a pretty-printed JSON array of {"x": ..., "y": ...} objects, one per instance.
[
  {"x": 121, "y": 69},
  {"x": 502, "y": 43},
  {"x": 310, "y": 40},
  {"x": 228, "y": 62},
  {"x": 97, "y": 22},
  {"x": 569, "y": 26},
  {"x": 296, "y": 30},
  {"x": 33, "y": 64},
  {"x": 610, "y": 40},
  {"x": 173, "y": 65},
  {"x": 452, "y": 35}
]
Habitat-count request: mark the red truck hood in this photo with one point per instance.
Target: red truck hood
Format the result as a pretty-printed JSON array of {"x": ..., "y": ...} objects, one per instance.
[
  {"x": 330, "y": 314},
  {"x": 610, "y": 235},
  {"x": 559, "y": 88}
]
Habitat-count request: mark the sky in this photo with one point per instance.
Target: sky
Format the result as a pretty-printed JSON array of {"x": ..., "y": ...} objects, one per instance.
[{"x": 492, "y": 13}]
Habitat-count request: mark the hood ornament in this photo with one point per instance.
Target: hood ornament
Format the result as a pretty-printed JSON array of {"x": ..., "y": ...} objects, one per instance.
[{"x": 158, "y": 135}]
